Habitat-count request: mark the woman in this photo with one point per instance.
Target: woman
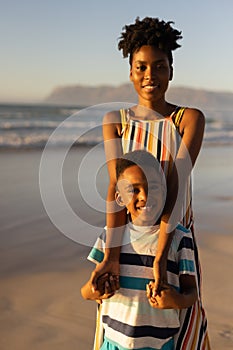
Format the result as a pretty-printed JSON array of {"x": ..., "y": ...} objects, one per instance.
[{"x": 174, "y": 136}]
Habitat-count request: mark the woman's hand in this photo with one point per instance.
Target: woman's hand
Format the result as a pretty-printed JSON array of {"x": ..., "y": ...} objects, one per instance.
[
  {"x": 112, "y": 267},
  {"x": 160, "y": 275},
  {"x": 106, "y": 286}
]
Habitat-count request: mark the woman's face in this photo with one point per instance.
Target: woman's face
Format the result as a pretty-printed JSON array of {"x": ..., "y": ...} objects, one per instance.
[{"x": 150, "y": 73}]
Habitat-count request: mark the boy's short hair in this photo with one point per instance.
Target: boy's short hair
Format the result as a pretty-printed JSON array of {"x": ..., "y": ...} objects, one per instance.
[{"x": 140, "y": 158}]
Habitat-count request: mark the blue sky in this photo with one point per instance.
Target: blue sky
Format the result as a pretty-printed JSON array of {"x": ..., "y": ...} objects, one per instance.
[{"x": 49, "y": 43}]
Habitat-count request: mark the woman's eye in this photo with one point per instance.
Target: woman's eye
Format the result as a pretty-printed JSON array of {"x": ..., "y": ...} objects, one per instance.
[{"x": 160, "y": 66}]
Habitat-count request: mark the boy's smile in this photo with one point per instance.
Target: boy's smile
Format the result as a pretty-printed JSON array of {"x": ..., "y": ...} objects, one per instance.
[{"x": 142, "y": 194}]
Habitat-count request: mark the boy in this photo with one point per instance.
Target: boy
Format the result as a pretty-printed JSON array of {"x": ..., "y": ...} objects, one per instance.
[{"x": 133, "y": 318}]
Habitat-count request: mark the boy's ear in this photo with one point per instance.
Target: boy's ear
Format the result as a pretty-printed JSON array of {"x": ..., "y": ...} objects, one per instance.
[{"x": 119, "y": 199}]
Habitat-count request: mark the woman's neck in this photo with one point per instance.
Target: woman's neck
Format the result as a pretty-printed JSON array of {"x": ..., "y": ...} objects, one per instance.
[
  {"x": 144, "y": 112},
  {"x": 164, "y": 108}
]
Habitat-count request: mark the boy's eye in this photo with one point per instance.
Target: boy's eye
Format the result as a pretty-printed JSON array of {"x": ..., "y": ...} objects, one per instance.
[
  {"x": 129, "y": 189},
  {"x": 153, "y": 187},
  {"x": 132, "y": 190},
  {"x": 141, "y": 68}
]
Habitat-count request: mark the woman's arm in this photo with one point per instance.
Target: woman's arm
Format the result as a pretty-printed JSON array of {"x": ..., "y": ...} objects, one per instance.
[
  {"x": 116, "y": 216},
  {"x": 192, "y": 130}
]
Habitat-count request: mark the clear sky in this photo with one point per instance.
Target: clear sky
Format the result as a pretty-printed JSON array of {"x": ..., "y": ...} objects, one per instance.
[{"x": 49, "y": 43}]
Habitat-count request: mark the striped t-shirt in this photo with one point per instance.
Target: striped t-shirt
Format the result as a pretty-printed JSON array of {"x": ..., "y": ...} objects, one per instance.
[{"x": 128, "y": 319}]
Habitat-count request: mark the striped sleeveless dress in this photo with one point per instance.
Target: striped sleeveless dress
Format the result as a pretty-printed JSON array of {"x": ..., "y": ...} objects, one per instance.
[{"x": 162, "y": 139}]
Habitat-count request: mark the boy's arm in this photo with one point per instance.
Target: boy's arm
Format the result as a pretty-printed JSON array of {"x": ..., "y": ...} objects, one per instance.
[
  {"x": 188, "y": 292},
  {"x": 88, "y": 293},
  {"x": 170, "y": 298}
]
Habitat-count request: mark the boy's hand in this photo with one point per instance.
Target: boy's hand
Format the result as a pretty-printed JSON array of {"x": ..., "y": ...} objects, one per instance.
[
  {"x": 112, "y": 267},
  {"x": 165, "y": 299}
]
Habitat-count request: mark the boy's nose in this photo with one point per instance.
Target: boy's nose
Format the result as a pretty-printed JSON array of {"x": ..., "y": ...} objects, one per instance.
[{"x": 143, "y": 195}]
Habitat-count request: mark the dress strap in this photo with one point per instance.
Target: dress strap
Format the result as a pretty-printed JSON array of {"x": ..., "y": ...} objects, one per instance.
[
  {"x": 124, "y": 119},
  {"x": 177, "y": 116}
]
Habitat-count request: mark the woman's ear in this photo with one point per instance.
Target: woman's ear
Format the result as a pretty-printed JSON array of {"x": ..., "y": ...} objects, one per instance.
[
  {"x": 119, "y": 199},
  {"x": 130, "y": 75}
]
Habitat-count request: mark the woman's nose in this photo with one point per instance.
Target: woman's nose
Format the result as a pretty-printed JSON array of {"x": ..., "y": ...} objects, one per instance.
[{"x": 150, "y": 74}]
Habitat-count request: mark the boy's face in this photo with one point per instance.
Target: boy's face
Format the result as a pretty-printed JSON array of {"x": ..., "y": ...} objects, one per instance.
[{"x": 143, "y": 194}]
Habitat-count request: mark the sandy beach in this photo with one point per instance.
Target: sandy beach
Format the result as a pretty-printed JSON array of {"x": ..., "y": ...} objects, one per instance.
[{"x": 42, "y": 270}]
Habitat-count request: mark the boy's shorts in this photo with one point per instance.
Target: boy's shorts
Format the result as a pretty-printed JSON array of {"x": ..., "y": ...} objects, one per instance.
[{"x": 108, "y": 345}]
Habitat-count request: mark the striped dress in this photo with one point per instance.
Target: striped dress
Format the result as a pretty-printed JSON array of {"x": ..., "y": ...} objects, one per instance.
[
  {"x": 162, "y": 139},
  {"x": 128, "y": 319}
]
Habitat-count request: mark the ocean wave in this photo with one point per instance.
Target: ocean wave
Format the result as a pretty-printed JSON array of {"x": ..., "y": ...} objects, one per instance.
[
  {"x": 32, "y": 126},
  {"x": 40, "y": 140}
]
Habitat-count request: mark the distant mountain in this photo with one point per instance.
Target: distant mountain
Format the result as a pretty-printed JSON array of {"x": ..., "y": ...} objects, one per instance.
[
  {"x": 80, "y": 95},
  {"x": 91, "y": 95}
]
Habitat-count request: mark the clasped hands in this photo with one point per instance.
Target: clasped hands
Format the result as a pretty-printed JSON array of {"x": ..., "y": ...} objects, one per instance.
[{"x": 107, "y": 285}]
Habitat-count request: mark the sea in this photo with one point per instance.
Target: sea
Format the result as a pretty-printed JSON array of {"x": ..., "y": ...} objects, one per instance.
[{"x": 31, "y": 126}]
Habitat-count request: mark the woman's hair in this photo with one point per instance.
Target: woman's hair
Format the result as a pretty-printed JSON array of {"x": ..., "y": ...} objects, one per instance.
[{"x": 149, "y": 31}]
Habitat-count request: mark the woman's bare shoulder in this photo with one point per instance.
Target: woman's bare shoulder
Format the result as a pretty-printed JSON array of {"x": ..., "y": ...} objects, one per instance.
[
  {"x": 112, "y": 117},
  {"x": 192, "y": 117},
  {"x": 193, "y": 114},
  {"x": 112, "y": 124}
]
